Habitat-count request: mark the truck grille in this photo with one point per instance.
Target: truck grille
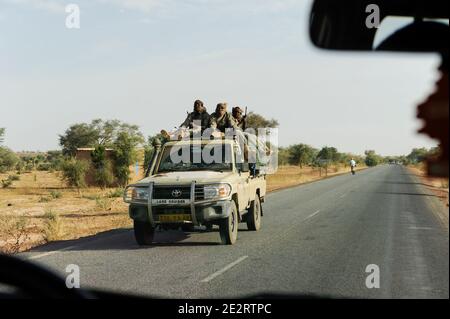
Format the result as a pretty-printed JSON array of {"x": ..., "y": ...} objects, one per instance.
[{"x": 173, "y": 192}]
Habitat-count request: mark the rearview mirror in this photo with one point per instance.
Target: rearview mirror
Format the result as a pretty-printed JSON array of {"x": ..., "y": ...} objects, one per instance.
[{"x": 355, "y": 24}]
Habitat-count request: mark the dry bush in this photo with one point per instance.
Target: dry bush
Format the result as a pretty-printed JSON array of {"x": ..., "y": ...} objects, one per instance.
[
  {"x": 55, "y": 194},
  {"x": 44, "y": 199},
  {"x": 52, "y": 226},
  {"x": 15, "y": 233},
  {"x": 103, "y": 203}
]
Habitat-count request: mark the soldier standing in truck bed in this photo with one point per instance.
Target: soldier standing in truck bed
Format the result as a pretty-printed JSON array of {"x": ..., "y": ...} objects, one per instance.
[
  {"x": 239, "y": 117},
  {"x": 198, "y": 115},
  {"x": 221, "y": 119}
]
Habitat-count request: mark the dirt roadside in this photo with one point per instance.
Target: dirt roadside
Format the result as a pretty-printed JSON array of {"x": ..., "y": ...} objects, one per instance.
[{"x": 439, "y": 187}]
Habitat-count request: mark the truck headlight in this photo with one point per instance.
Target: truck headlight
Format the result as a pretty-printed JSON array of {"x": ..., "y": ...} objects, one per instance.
[
  {"x": 139, "y": 194},
  {"x": 217, "y": 191}
]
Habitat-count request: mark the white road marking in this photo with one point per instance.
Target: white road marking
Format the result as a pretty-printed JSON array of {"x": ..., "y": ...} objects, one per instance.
[
  {"x": 50, "y": 253},
  {"x": 343, "y": 195},
  {"x": 313, "y": 214},
  {"x": 420, "y": 228},
  {"x": 220, "y": 272}
]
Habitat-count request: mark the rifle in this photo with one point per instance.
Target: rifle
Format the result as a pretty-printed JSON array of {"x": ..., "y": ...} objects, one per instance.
[{"x": 245, "y": 120}]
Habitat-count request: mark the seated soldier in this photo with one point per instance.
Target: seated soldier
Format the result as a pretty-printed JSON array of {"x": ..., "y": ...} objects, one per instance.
[
  {"x": 239, "y": 118},
  {"x": 221, "y": 119},
  {"x": 196, "y": 122}
]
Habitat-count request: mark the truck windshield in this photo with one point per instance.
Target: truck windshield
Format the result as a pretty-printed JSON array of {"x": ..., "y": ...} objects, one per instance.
[{"x": 207, "y": 157}]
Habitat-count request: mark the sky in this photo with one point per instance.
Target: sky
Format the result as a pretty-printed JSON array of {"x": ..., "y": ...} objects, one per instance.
[{"x": 145, "y": 62}]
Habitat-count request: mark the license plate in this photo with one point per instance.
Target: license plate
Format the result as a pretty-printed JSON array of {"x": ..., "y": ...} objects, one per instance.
[
  {"x": 169, "y": 201},
  {"x": 173, "y": 218}
]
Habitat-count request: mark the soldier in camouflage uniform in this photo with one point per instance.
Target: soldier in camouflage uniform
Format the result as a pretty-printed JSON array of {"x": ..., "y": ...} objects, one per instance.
[
  {"x": 196, "y": 122},
  {"x": 221, "y": 119},
  {"x": 239, "y": 118},
  {"x": 199, "y": 115}
]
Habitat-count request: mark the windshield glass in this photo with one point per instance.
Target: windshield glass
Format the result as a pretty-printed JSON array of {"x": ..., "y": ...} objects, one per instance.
[
  {"x": 210, "y": 157},
  {"x": 116, "y": 154}
]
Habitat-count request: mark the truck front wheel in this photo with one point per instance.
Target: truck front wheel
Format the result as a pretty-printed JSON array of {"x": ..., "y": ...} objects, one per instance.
[
  {"x": 254, "y": 215},
  {"x": 228, "y": 227},
  {"x": 144, "y": 233}
]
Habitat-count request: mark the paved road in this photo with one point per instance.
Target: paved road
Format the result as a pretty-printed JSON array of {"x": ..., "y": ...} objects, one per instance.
[{"x": 316, "y": 239}]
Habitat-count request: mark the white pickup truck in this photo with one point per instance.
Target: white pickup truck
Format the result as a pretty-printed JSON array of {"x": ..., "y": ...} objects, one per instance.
[{"x": 193, "y": 193}]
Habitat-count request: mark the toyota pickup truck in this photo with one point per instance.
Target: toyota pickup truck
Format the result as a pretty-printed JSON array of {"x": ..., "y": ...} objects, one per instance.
[{"x": 197, "y": 191}]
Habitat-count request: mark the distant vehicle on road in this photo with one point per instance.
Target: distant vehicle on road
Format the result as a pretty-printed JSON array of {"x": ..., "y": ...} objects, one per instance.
[{"x": 190, "y": 193}]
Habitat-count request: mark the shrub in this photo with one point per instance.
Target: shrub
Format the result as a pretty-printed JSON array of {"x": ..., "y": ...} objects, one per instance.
[
  {"x": 8, "y": 182},
  {"x": 52, "y": 229},
  {"x": 74, "y": 173},
  {"x": 16, "y": 231},
  {"x": 118, "y": 192},
  {"x": 104, "y": 176},
  {"x": 103, "y": 203},
  {"x": 55, "y": 194},
  {"x": 44, "y": 199},
  {"x": 8, "y": 159},
  {"x": 44, "y": 167}
]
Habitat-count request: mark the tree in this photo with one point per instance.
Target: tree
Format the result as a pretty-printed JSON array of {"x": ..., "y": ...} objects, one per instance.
[
  {"x": 256, "y": 121},
  {"x": 2, "y": 134},
  {"x": 283, "y": 156},
  {"x": 418, "y": 155},
  {"x": 74, "y": 173},
  {"x": 8, "y": 159},
  {"x": 301, "y": 154},
  {"x": 103, "y": 175},
  {"x": 372, "y": 159},
  {"x": 96, "y": 133},
  {"x": 124, "y": 156},
  {"x": 76, "y": 136},
  {"x": 329, "y": 154},
  {"x": 56, "y": 159}
]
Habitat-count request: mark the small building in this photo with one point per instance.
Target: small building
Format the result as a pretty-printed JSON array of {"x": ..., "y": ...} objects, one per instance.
[{"x": 137, "y": 170}]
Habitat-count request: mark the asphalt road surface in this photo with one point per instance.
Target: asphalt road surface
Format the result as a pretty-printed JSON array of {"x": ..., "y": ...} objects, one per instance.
[{"x": 316, "y": 240}]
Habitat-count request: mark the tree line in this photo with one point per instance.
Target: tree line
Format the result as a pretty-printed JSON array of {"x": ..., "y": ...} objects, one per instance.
[{"x": 122, "y": 140}]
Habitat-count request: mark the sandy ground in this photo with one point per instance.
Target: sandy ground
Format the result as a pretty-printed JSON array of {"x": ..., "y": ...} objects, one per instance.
[
  {"x": 438, "y": 186},
  {"x": 40, "y": 207}
]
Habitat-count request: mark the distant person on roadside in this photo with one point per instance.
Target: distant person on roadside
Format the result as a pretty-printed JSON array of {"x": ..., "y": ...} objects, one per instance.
[{"x": 352, "y": 165}]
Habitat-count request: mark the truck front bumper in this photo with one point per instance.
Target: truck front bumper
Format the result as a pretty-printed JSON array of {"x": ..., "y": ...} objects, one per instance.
[
  {"x": 206, "y": 212},
  {"x": 199, "y": 212}
]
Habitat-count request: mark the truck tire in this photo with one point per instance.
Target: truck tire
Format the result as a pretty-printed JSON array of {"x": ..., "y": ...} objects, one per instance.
[
  {"x": 254, "y": 215},
  {"x": 228, "y": 227},
  {"x": 144, "y": 233}
]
